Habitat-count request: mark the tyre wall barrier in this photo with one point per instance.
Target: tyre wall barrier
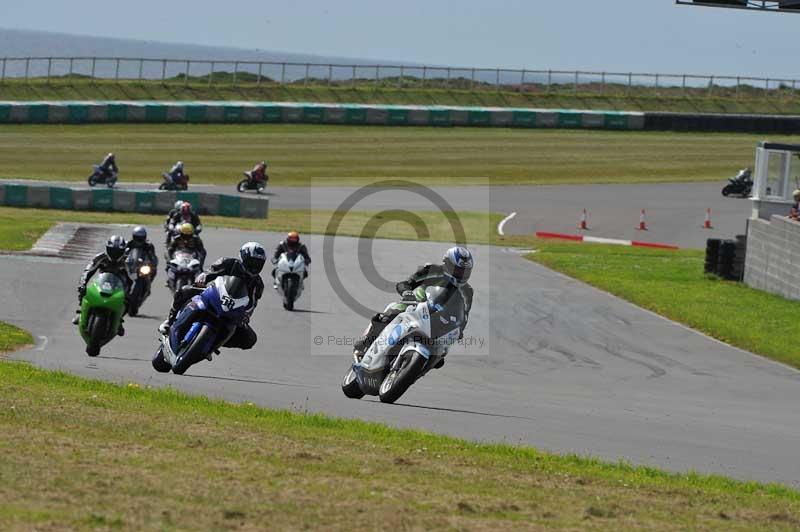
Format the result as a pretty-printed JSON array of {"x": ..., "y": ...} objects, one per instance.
[
  {"x": 721, "y": 123},
  {"x": 121, "y": 200},
  {"x": 311, "y": 113}
]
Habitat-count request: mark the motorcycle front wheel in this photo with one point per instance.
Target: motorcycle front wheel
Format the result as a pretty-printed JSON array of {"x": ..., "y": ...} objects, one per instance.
[
  {"x": 97, "y": 333},
  {"x": 91, "y": 180},
  {"x": 159, "y": 364},
  {"x": 350, "y": 385},
  {"x": 162, "y": 186},
  {"x": 398, "y": 381},
  {"x": 726, "y": 190},
  {"x": 242, "y": 186},
  {"x": 192, "y": 353}
]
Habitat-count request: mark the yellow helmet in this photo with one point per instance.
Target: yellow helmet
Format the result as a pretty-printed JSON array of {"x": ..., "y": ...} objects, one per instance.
[{"x": 186, "y": 229}]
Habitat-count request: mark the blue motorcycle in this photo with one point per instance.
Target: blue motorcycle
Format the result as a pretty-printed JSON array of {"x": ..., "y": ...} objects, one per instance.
[
  {"x": 101, "y": 177},
  {"x": 203, "y": 325}
]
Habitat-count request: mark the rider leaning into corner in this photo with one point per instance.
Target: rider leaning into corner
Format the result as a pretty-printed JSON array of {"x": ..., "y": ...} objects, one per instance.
[
  {"x": 290, "y": 244},
  {"x": 258, "y": 173},
  {"x": 177, "y": 175},
  {"x": 109, "y": 166},
  {"x": 139, "y": 241},
  {"x": 112, "y": 260},
  {"x": 247, "y": 267},
  {"x": 453, "y": 273},
  {"x": 187, "y": 239}
]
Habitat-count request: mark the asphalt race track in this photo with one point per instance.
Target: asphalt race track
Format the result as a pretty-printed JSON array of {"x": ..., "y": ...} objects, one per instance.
[
  {"x": 565, "y": 367},
  {"x": 675, "y": 212}
]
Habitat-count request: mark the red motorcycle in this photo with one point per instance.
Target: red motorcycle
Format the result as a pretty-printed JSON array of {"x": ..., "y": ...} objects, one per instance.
[
  {"x": 252, "y": 183},
  {"x": 169, "y": 184}
]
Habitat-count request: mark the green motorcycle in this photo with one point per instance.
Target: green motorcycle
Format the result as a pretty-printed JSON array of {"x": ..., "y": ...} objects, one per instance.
[{"x": 101, "y": 311}]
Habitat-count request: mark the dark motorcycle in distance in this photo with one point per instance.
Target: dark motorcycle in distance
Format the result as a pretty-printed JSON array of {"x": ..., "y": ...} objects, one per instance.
[
  {"x": 259, "y": 185},
  {"x": 101, "y": 177},
  {"x": 742, "y": 184},
  {"x": 169, "y": 184},
  {"x": 141, "y": 271}
]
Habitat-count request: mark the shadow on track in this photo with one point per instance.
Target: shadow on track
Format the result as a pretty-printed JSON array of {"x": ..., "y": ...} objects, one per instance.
[
  {"x": 309, "y": 311},
  {"x": 124, "y": 358},
  {"x": 254, "y": 381},
  {"x": 459, "y": 411}
]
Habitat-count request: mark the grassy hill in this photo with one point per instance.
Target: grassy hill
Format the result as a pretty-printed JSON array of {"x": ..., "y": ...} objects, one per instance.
[{"x": 435, "y": 92}]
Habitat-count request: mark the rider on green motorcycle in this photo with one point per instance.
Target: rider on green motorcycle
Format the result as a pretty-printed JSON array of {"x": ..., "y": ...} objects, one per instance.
[{"x": 112, "y": 260}]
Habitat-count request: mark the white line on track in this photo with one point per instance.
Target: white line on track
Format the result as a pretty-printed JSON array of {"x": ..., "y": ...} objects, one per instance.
[
  {"x": 44, "y": 343},
  {"x": 503, "y": 223}
]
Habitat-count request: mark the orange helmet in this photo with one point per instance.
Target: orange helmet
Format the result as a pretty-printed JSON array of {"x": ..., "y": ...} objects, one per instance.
[{"x": 293, "y": 240}]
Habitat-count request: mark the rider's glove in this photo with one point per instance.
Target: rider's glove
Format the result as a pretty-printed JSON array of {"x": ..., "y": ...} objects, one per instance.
[
  {"x": 274, "y": 261},
  {"x": 81, "y": 290},
  {"x": 408, "y": 295}
]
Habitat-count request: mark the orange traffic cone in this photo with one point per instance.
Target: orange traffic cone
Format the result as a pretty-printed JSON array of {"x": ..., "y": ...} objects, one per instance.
[
  {"x": 583, "y": 224},
  {"x": 642, "y": 222},
  {"x": 707, "y": 222}
]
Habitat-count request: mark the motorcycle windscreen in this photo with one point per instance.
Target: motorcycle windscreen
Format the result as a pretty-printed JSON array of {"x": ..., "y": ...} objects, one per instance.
[{"x": 108, "y": 283}]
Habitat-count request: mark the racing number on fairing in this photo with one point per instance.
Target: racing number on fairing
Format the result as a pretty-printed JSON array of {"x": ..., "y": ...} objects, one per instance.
[{"x": 228, "y": 302}]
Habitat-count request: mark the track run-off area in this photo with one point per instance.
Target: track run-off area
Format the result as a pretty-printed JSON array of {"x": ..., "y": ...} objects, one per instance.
[{"x": 555, "y": 363}]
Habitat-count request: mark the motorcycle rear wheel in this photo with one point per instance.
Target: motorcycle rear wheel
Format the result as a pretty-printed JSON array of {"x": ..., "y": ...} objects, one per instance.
[
  {"x": 350, "y": 385},
  {"x": 398, "y": 381}
]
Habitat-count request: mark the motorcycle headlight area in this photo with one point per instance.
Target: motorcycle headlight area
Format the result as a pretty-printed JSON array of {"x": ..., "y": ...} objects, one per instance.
[{"x": 145, "y": 270}]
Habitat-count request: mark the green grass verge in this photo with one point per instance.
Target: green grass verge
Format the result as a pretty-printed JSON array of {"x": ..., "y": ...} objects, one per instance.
[
  {"x": 20, "y": 228},
  {"x": 355, "y": 155},
  {"x": 85, "y": 454},
  {"x": 13, "y": 338},
  {"x": 615, "y": 97},
  {"x": 672, "y": 283}
]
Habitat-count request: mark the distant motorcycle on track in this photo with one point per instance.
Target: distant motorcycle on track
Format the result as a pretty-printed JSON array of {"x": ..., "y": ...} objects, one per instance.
[
  {"x": 102, "y": 178},
  {"x": 248, "y": 183},
  {"x": 741, "y": 184},
  {"x": 169, "y": 184}
]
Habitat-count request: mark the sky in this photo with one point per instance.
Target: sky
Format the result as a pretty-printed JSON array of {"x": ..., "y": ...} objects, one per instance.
[{"x": 622, "y": 35}]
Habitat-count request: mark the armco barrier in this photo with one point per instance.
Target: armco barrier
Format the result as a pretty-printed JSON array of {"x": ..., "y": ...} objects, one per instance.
[
  {"x": 311, "y": 113},
  {"x": 121, "y": 200}
]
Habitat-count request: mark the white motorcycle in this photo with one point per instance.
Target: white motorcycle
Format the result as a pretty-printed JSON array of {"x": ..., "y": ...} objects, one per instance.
[
  {"x": 182, "y": 269},
  {"x": 290, "y": 271},
  {"x": 415, "y": 341}
]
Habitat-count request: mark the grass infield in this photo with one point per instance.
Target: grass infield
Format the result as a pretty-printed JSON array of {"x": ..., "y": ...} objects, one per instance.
[
  {"x": 83, "y": 454},
  {"x": 300, "y": 155}
]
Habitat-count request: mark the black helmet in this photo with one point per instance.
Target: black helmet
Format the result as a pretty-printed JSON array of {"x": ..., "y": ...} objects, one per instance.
[
  {"x": 253, "y": 257},
  {"x": 140, "y": 234},
  {"x": 457, "y": 264},
  {"x": 115, "y": 247}
]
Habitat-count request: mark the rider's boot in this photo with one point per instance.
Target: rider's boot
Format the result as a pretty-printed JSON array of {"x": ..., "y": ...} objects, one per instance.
[
  {"x": 165, "y": 326},
  {"x": 77, "y": 317},
  {"x": 121, "y": 329}
]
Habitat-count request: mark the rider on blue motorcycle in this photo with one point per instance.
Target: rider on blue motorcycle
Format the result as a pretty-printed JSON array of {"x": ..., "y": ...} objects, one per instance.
[
  {"x": 108, "y": 168},
  {"x": 177, "y": 175},
  {"x": 247, "y": 267}
]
